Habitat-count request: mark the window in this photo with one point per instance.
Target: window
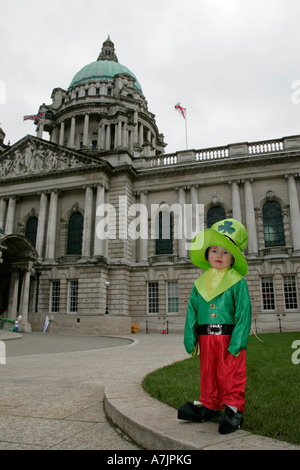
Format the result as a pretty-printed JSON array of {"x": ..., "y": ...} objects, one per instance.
[
  {"x": 273, "y": 224},
  {"x": 290, "y": 292},
  {"x": 214, "y": 215},
  {"x": 173, "y": 297},
  {"x": 268, "y": 293},
  {"x": 55, "y": 294},
  {"x": 73, "y": 296},
  {"x": 75, "y": 230},
  {"x": 163, "y": 234},
  {"x": 153, "y": 305},
  {"x": 31, "y": 229},
  {"x": 97, "y": 91}
]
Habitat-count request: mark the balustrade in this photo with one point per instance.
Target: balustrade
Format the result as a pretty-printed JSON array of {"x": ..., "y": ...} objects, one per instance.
[
  {"x": 218, "y": 153},
  {"x": 264, "y": 147}
]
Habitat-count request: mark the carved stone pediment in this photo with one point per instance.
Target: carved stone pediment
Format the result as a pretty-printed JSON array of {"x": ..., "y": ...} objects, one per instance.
[{"x": 34, "y": 156}]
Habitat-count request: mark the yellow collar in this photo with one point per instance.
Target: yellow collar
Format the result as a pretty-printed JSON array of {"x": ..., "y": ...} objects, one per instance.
[{"x": 214, "y": 282}]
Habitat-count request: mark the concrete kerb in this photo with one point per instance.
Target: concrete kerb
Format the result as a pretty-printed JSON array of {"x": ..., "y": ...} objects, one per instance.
[
  {"x": 7, "y": 335},
  {"x": 154, "y": 425}
]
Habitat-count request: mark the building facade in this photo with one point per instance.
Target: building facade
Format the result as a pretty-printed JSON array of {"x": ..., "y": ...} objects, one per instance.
[{"x": 96, "y": 221}]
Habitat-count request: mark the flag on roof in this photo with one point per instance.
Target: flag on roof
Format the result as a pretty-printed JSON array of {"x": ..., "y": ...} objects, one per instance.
[
  {"x": 180, "y": 109},
  {"x": 33, "y": 117}
]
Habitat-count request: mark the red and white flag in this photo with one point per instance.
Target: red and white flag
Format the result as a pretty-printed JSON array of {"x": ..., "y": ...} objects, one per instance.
[{"x": 180, "y": 109}]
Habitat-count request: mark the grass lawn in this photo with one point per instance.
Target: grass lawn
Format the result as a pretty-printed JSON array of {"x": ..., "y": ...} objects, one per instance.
[{"x": 272, "y": 390}]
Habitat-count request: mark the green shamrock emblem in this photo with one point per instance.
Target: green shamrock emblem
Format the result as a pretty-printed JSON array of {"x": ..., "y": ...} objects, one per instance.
[{"x": 226, "y": 228}]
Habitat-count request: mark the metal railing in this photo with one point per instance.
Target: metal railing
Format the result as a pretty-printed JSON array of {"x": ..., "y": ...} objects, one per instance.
[{"x": 280, "y": 325}]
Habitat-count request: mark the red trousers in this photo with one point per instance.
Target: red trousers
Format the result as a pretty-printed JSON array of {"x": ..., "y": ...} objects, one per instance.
[{"x": 222, "y": 375}]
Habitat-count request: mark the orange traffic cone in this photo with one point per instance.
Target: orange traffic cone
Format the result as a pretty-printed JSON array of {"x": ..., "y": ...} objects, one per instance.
[{"x": 164, "y": 332}]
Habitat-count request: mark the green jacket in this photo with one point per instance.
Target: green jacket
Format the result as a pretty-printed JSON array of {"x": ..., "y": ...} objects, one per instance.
[{"x": 232, "y": 306}]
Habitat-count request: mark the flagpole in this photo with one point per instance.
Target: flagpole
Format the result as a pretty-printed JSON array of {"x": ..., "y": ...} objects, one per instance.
[
  {"x": 186, "y": 140},
  {"x": 183, "y": 113}
]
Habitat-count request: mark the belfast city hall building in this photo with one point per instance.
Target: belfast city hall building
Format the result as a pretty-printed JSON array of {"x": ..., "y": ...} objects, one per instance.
[{"x": 96, "y": 217}]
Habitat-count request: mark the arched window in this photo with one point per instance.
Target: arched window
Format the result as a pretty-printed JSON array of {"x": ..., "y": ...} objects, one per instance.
[
  {"x": 31, "y": 229},
  {"x": 215, "y": 214},
  {"x": 273, "y": 224},
  {"x": 164, "y": 234},
  {"x": 75, "y": 230}
]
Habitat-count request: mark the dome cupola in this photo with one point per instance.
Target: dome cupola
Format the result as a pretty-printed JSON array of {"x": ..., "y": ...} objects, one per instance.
[
  {"x": 106, "y": 67},
  {"x": 108, "y": 51}
]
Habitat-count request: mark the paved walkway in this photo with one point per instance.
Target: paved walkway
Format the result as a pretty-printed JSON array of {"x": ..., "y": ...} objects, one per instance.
[{"x": 57, "y": 392}]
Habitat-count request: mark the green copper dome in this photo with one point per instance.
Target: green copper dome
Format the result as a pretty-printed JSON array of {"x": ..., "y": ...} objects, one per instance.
[
  {"x": 105, "y": 68},
  {"x": 102, "y": 70}
]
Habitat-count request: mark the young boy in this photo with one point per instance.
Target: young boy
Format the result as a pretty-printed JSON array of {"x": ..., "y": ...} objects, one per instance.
[{"x": 219, "y": 320}]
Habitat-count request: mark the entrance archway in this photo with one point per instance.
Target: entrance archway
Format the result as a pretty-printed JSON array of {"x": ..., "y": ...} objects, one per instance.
[{"x": 17, "y": 265}]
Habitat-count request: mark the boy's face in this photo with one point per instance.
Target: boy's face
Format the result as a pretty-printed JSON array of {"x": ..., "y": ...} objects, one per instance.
[{"x": 219, "y": 257}]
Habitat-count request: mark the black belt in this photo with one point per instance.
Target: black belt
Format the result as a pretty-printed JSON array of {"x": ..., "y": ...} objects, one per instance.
[{"x": 214, "y": 329}]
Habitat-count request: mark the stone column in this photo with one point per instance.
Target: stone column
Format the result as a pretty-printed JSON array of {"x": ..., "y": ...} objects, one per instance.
[
  {"x": 294, "y": 211},
  {"x": 24, "y": 301},
  {"x": 143, "y": 241},
  {"x": 40, "y": 129},
  {"x": 135, "y": 132},
  {"x": 102, "y": 137},
  {"x": 235, "y": 198},
  {"x": 13, "y": 295},
  {"x": 99, "y": 138},
  {"x": 147, "y": 143},
  {"x": 107, "y": 137},
  {"x": 40, "y": 236},
  {"x": 72, "y": 132},
  {"x": 2, "y": 213},
  {"x": 119, "y": 134},
  {"x": 130, "y": 141},
  {"x": 51, "y": 231},
  {"x": 250, "y": 218},
  {"x": 124, "y": 136},
  {"x": 141, "y": 135},
  {"x": 54, "y": 135},
  {"x": 10, "y": 216},
  {"x": 62, "y": 133},
  {"x": 87, "y": 226},
  {"x": 179, "y": 231},
  {"x": 86, "y": 130},
  {"x": 196, "y": 222},
  {"x": 116, "y": 135},
  {"x": 99, "y": 238}
]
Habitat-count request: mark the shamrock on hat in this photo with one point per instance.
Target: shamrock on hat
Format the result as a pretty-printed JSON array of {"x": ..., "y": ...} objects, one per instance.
[{"x": 228, "y": 233}]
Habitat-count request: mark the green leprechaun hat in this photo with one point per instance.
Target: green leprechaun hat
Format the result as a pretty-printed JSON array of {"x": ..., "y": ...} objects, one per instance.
[{"x": 228, "y": 233}]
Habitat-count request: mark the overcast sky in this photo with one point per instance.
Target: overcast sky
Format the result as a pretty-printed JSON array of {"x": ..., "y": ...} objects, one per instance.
[{"x": 234, "y": 64}]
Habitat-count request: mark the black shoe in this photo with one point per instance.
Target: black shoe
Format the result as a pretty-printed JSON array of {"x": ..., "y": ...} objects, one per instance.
[
  {"x": 191, "y": 412},
  {"x": 230, "y": 421}
]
